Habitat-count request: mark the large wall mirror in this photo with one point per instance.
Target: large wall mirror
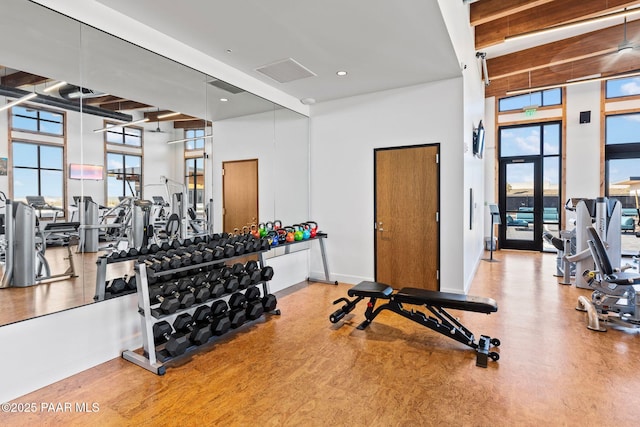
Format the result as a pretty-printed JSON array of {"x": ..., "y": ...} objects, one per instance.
[{"x": 71, "y": 141}]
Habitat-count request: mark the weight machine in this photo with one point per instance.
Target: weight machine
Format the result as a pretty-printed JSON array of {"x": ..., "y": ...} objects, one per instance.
[
  {"x": 24, "y": 247},
  {"x": 615, "y": 292},
  {"x": 604, "y": 215}
]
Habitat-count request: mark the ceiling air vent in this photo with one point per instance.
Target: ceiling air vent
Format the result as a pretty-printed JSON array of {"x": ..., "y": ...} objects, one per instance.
[
  {"x": 286, "y": 70},
  {"x": 226, "y": 86}
]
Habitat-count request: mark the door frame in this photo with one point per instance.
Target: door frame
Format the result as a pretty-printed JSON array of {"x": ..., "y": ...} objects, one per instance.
[
  {"x": 257, "y": 188},
  {"x": 375, "y": 204},
  {"x": 536, "y": 243}
]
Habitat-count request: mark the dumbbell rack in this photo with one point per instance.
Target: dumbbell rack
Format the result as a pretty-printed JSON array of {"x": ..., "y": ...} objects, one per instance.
[
  {"x": 325, "y": 264},
  {"x": 101, "y": 274},
  {"x": 151, "y": 359}
]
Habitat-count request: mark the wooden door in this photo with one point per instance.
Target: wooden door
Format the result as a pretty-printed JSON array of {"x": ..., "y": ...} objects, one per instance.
[
  {"x": 407, "y": 201},
  {"x": 239, "y": 193}
]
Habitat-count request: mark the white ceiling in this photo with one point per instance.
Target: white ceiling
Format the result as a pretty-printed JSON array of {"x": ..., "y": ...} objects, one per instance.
[{"x": 382, "y": 44}]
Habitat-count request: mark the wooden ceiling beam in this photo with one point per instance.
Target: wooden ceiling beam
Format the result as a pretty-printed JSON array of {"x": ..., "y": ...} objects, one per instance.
[
  {"x": 549, "y": 14},
  {"x": 21, "y": 78},
  {"x": 488, "y": 10},
  {"x": 606, "y": 65},
  {"x": 102, "y": 100},
  {"x": 190, "y": 124},
  {"x": 123, "y": 105},
  {"x": 153, "y": 116},
  {"x": 576, "y": 48}
]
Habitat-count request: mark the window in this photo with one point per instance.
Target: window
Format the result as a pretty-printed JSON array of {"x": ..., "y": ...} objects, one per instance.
[
  {"x": 622, "y": 172},
  {"x": 194, "y": 180},
  {"x": 622, "y": 129},
  {"x": 124, "y": 177},
  {"x": 541, "y": 98},
  {"x": 131, "y": 136},
  {"x": 619, "y": 88},
  {"x": 38, "y": 170},
  {"x": 196, "y": 144},
  {"x": 36, "y": 120}
]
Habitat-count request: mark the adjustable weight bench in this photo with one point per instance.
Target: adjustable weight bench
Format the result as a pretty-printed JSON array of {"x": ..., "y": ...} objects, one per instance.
[{"x": 436, "y": 302}]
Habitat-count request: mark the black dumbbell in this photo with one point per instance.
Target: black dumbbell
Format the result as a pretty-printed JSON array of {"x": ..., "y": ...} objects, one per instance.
[
  {"x": 177, "y": 343},
  {"x": 143, "y": 250},
  {"x": 168, "y": 304},
  {"x": 197, "y": 240},
  {"x": 198, "y": 334},
  {"x": 200, "y": 293},
  {"x": 269, "y": 302},
  {"x": 132, "y": 252},
  {"x": 131, "y": 283},
  {"x": 216, "y": 316},
  {"x": 237, "y": 312},
  {"x": 254, "y": 304},
  {"x": 153, "y": 248},
  {"x": 252, "y": 269},
  {"x": 267, "y": 273},
  {"x": 215, "y": 285},
  {"x": 117, "y": 285},
  {"x": 186, "y": 298},
  {"x": 153, "y": 264}
]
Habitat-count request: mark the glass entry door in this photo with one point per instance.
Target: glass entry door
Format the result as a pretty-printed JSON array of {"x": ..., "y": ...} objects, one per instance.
[{"x": 521, "y": 204}]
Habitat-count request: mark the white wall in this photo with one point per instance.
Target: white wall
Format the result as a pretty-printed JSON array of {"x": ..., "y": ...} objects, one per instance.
[
  {"x": 344, "y": 134},
  {"x": 41, "y": 351},
  {"x": 583, "y": 141}
]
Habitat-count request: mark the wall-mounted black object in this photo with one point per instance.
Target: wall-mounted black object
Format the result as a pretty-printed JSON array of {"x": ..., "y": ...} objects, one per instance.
[
  {"x": 478, "y": 141},
  {"x": 585, "y": 116}
]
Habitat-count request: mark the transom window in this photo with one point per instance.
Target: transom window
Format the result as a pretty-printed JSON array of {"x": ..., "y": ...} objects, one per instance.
[
  {"x": 37, "y": 120},
  {"x": 127, "y": 135},
  {"x": 195, "y": 144},
  {"x": 619, "y": 88},
  {"x": 544, "y": 98}
]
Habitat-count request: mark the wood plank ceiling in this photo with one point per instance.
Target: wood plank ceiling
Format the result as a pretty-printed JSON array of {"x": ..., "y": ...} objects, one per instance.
[{"x": 590, "y": 52}]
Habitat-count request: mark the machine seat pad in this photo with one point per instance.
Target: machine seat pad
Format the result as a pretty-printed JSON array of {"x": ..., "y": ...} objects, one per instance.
[
  {"x": 371, "y": 290},
  {"x": 623, "y": 278},
  {"x": 446, "y": 300},
  {"x": 64, "y": 226}
]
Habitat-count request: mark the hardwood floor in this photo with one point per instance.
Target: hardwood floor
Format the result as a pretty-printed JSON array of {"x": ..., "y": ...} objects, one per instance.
[
  {"x": 299, "y": 369},
  {"x": 24, "y": 303}
]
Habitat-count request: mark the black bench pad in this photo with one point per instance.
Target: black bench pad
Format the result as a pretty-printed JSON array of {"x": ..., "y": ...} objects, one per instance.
[
  {"x": 446, "y": 300},
  {"x": 371, "y": 290}
]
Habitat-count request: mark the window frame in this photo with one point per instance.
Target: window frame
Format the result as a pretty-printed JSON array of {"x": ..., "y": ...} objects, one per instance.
[
  {"x": 38, "y": 120},
  {"x": 542, "y": 103},
  {"x": 123, "y": 134}
]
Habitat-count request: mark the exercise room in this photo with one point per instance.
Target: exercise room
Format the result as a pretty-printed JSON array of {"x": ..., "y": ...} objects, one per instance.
[{"x": 363, "y": 213}]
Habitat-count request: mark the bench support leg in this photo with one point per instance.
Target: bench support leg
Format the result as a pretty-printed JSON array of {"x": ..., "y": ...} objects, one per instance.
[{"x": 443, "y": 323}]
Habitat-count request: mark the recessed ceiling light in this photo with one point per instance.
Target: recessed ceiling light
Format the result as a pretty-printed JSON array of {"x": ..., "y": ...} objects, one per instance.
[
  {"x": 341, "y": 73},
  {"x": 229, "y": 50},
  {"x": 224, "y": 99}
]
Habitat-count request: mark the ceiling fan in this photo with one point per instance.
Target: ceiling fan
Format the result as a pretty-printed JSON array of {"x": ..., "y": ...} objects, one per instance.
[{"x": 157, "y": 129}]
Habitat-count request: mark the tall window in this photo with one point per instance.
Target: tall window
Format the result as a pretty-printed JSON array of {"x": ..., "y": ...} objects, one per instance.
[
  {"x": 124, "y": 177},
  {"x": 622, "y": 171},
  {"x": 37, "y": 120},
  {"x": 38, "y": 170},
  {"x": 194, "y": 180}
]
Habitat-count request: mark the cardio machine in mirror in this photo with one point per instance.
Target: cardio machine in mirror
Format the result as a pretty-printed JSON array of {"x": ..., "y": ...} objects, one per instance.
[{"x": 115, "y": 167}]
